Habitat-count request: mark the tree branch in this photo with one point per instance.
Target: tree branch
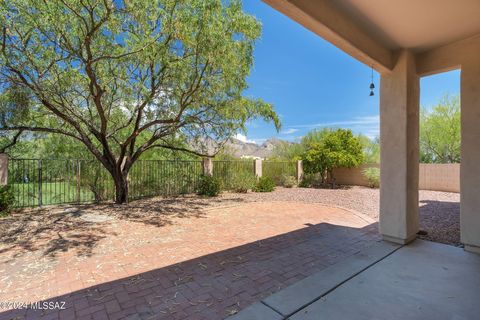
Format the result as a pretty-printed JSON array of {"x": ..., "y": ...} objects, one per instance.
[
  {"x": 40, "y": 129},
  {"x": 179, "y": 149},
  {"x": 13, "y": 142}
]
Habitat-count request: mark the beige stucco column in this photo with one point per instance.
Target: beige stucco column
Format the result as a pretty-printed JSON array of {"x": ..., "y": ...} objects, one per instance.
[
  {"x": 470, "y": 166},
  {"x": 257, "y": 167},
  {"x": 207, "y": 166},
  {"x": 399, "y": 126},
  {"x": 3, "y": 169},
  {"x": 299, "y": 171}
]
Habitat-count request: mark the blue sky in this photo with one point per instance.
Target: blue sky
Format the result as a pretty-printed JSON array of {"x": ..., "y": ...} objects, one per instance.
[{"x": 312, "y": 84}]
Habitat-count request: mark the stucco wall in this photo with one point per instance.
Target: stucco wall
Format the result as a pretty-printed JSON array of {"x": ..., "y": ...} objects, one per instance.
[
  {"x": 440, "y": 177},
  {"x": 437, "y": 177},
  {"x": 354, "y": 176}
]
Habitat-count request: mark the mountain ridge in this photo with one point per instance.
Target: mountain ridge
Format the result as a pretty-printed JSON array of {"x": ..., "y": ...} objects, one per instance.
[{"x": 242, "y": 149}]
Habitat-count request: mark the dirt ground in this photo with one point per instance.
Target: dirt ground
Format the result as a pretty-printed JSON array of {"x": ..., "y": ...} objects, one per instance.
[
  {"x": 190, "y": 257},
  {"x": 439, "y": 212}
]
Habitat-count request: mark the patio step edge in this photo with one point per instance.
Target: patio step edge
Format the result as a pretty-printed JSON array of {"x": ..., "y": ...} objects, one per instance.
[
  {"x": 257, "y": 311},
  {"x": 303, "y": 293}
]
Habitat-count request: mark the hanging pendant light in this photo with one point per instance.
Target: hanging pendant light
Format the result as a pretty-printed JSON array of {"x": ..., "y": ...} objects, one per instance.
[{"x": 372, "y": 86}]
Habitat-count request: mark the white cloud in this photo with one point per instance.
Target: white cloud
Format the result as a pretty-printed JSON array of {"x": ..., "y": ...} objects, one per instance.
[
  {"x": 367, "y": 125},
  {"x": 289, "y": 131},
  {"x": 368, "y": 120},
  {"x": 243, "y": 138}
]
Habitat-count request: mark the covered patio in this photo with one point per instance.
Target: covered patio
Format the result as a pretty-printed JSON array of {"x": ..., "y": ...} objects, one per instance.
[
  {"x": 413, "y": 279},
  {"x": 424, "y": 280},
  {"x": 403, "y": 41}
]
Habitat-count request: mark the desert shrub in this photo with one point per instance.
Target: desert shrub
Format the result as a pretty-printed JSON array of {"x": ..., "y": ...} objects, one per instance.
[
  {"x": 264, "y": 184},
  {"x": 242, "y": 182},
  {"x": 308, "y": 181},
  {"x": 7, "y": 199},
  {"x": 373, "y": 176},
  {"x": 208, "y": 186},
  {"x": 289, "y": 181}
]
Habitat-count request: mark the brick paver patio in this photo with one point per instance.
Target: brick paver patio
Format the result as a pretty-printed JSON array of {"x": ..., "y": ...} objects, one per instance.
[{"x": 205, "y": 266}]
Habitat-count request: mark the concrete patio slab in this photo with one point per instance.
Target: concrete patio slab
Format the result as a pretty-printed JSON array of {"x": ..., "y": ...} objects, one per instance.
[
  {"x": 257, "y": 311},
  {"x": 304, "y": 292},
  {"x": 424, "y": 280}
]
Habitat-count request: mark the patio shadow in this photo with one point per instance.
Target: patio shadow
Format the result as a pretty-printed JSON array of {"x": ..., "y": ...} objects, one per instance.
[
  {"x": 441, "y": 219},
  {"x": 55, "y": 229},
  {"x": 213, "y": 286}
]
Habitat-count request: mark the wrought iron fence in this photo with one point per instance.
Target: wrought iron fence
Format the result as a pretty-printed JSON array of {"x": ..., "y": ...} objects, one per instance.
[
  {"x": 37, "y": 182},
  {"x": 149, "y": 178},
  {"x": 227, "y": 170},
  {"x": 276, "y": 170}
]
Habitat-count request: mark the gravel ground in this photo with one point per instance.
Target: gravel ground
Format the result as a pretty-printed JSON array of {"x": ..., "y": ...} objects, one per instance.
[{"x": 439, "y": 212}]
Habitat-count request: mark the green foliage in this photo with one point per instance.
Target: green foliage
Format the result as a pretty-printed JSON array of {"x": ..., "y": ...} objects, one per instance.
[
  {"x": 371, "y": 149},
  {"x": 287, "y": 151},
  {"x": 60, "y": 183},
  {"x": 277, "y": 169},
  {"x": 264, "y": 184},
  {"x": 289, "y": 181},
  {"x": 311, "y": 180},
  {"x": 226, "y": 153},
  {"x": 228, "y": 171},
  {"x": 209, "y": 186},
  {"x": 440, "y": 132},
  {"x": 307, "y": 181},
  {"x": 316, "y": 136},
  {"x": 373, "y": 176},
  {"x": 337, "y": 149},
  {"x": 295, "y": 151},
  {"x": 242, "y": 182},
  {"x": 7, "y": 199},
  {"x": 125, "y": 77}
]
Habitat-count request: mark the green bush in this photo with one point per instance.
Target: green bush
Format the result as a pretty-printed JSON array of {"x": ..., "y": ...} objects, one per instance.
[
  {"x": 7, "y": 199},
  {"x": 264, "y": 184},
  {"x": 373, "y": 176},
  {"x": 242, "y": 182},
  {"x": 289, "y": 181},
  {"x": 208, "y": 186},
  {"x": 308, "y": 181}
]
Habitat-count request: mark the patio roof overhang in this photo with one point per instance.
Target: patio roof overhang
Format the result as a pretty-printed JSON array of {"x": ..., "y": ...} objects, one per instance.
[
  {"x": 439, "y": 32},
  {"x": 405, "y": 40}
]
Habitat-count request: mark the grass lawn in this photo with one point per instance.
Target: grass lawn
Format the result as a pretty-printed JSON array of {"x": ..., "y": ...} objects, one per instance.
[{"x": 28, "y": 194}]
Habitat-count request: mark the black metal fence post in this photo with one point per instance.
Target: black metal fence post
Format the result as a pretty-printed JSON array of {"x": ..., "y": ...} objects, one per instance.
[
  {"x": 40, "y": 182},
  {"x": 79, "y": 172}
]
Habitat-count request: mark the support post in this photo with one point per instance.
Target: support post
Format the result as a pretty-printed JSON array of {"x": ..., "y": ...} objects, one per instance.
[
  {"x": 399, "y": 138},
  {"x": 3, "y": 169},
  {"x": 299, "y": 171},
  {"x": 470, "y": 168},
  {"x": 207, "y": 166},
  {"x": 40, "y": 184},
  {"x": 79, "y": 176},
  {"x": 257, "y": 167}
]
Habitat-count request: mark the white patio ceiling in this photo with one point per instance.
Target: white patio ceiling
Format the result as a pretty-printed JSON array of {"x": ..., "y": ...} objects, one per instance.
[{"x": 374, "y": 30}]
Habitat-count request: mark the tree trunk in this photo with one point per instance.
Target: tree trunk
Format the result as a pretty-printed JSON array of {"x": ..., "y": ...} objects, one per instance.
[
  {"x": 332, "y": 179},
  {"x": 121, "y": 188}
]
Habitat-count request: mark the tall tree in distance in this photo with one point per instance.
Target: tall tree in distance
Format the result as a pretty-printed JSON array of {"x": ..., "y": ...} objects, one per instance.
[
  {"x": 124, "y": 77},
  {"x": 440, "y": 132},
  {"x": 371, "y": 149}
]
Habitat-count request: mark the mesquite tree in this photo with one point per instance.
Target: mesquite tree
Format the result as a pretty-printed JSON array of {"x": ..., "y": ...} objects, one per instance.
[{"x": 125, "y": 76}]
